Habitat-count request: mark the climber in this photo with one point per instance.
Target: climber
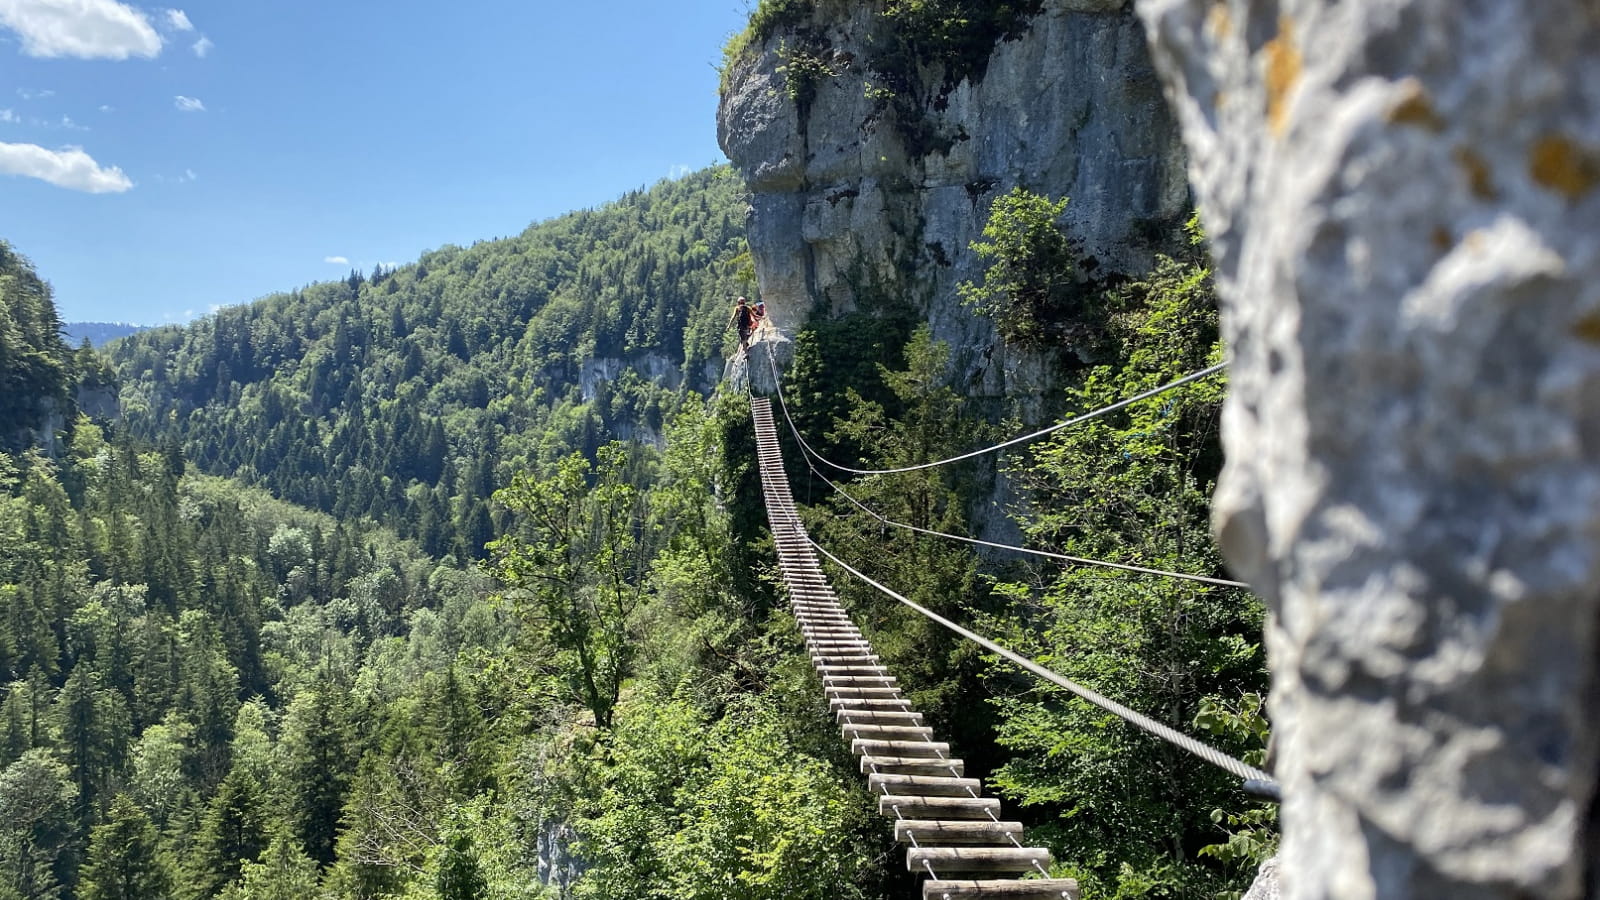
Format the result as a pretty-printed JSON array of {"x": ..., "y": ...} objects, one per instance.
[
  {"x": 744, "y": 317},
  {"x": 760, "y": 314}
]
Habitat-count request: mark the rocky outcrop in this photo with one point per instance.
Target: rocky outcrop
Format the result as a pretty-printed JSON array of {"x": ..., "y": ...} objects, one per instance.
[
  {"x": 868, "y": 194},
  {"x": 1404, "y": 202}
]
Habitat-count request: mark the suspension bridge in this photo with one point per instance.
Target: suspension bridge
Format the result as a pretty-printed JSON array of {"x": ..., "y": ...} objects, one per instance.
[{"x": 954, "y": 835}]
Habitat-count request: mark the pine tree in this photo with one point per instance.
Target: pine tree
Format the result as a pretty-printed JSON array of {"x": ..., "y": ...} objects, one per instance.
[
  {"x": 125, "y": 858},
  {"x": 234, "y": 831},
  {"x": 459, "y": 876},
  {"x": 317, "y": 767}
]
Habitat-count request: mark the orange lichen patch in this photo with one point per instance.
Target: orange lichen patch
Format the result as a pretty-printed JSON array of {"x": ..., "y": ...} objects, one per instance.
[
  {"x": 1219, "y": 21},
  {"x": 1414, "y": 108},
  {"x": 1588, "y": 328},
  {"x": 1563, "y": 166},
  {"x": 1283, "y": 72},
  {"x": 1479, "y": 178}
]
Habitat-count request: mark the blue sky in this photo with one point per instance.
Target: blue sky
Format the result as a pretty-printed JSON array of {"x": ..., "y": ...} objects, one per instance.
[{"x": 158, "y": 161}]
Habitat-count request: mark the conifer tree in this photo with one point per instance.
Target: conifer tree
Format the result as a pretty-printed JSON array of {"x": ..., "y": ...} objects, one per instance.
[{"x": 125, "y": 858}]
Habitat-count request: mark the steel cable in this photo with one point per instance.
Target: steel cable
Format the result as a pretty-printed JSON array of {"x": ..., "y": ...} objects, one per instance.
[
  {"x": 1177, "y": 738},
  {"x": 1075, "y": 420}
]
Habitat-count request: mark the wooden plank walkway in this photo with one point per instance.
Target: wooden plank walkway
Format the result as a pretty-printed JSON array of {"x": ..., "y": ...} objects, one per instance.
[{"x": 953, "y": 833}]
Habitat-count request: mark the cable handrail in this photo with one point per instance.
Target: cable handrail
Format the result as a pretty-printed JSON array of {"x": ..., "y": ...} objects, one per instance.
[
  {"x": 1259, "y": 780},
  {"x": 1068, "y": 423},
  {"x": 1078, "y": 560}
]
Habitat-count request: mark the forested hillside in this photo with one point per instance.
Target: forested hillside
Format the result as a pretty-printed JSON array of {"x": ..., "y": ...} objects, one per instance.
[
  {"x": 501, "y": 655},
  {"x": 35, "y": 365},
  {"x": 410, "y": 395},
  {"x": 214, "y": 693}
]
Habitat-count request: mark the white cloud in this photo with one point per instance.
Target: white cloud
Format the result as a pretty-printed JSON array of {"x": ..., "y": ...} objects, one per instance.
[
  {"x": 105, "y": 107},
  {"x": 26, "y": 94},
  {"x": 68, "y": 167},
  {"x": 215, "y": 308},
  {"x": 7, "y": 115},
  {"x": 177, "y": 20},
  {"x": 189, "y": 175},
  {"x": 336, "y": 260},
  {"x": 678, "y": 171},
  {"x": 87, "y": 29},
  {"x": 202, "y": 47},
  {"x": 185, "y": 104}
]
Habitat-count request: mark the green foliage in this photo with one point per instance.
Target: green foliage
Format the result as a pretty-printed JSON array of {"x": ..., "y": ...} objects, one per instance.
[
  {"x": 804, "y": 69},
  {"x": 957, "y": 35},
  {"x": 36, "y": 368},
  {"x": 679, "y": 806},
  {"x": 1028, "y": 286},
  {"x": 37, "y": 835},
  {"x": 920, "y": 418},
  {"x": 126, "y": 861},
  {"x": 411, "y": 396},
  {"x": 1134, "y": 487},
  {"x": 575, "y": 571},
  {"x": 1252, "y": 834},
  {"x": 833, "y": 357},
  {"x": 769, "y": 17},
  {"x": 284, "y": 873},
  {"x": 459, "y": 877}
]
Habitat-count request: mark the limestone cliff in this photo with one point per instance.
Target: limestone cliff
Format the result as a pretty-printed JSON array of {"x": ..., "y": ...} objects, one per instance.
[
  {"x": 871, "y": 176},
  {"x": 1404, "y": 203}
]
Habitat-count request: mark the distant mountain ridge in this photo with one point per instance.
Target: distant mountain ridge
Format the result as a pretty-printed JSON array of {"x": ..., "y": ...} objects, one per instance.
[
  {"x": 410, "y": 396},
  {"x": 98, "y": 333}
]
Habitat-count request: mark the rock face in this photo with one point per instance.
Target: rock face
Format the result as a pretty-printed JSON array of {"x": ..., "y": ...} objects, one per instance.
[
  {"x": 860, "y": 202},
  {"x": 1404, "y": 202}
]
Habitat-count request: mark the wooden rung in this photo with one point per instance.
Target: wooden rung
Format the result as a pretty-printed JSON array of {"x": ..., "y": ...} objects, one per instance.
[
  {"x": 830, "y": 631},
  {"x": 844, "y": 659},
  {"x": 850, "y": 670},
  {"x": 1010, "y": 889},
  {"x": 938, "y": 832},
  {"x": 858, "y": 680},
  {"x": 919, "y": 749},
  {"x": 977, "y": 859},
  {"x": 864, "y": 704},
  {"x": 911, "y": 807},
  {"x": 882, "y": 692},
  {"x": 876, "y": 715},
  {"x": 834, "y": 659},
  {"x": 924, "y": 785},
  {"x": 873, "y": 731}
]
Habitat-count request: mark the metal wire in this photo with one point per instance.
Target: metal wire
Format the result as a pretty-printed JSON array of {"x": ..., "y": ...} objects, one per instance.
[
  {"x": 1075, "y": 420},
  {"x": 1078, "y": 560},
  {"x": 1177, "y": 738}
]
